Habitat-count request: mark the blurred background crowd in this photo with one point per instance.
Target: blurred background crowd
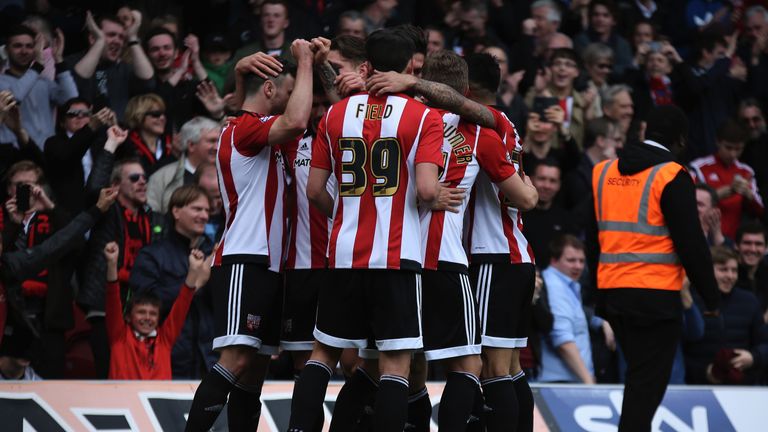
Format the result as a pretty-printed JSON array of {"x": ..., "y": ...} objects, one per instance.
[{"x": 131, "y": 95}]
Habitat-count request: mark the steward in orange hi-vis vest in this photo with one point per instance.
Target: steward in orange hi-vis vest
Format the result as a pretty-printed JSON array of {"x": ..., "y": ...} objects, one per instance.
[{"x": 635, "y": 247}]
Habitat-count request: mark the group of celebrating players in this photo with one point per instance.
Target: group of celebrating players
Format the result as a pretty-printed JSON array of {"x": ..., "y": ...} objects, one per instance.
[{"x": 386, "y": 227}]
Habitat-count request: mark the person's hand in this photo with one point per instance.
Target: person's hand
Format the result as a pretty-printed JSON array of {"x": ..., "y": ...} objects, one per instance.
[
  {"x": 207, "y": 94},
  {"x": 759, "y": 44},
  {"x": 731, "y": 40},
  {"x": 527, "y": 181},
  {"x": 302, "y": 51},
  {"x": 529, "y": 27},
  {"x": 16, "y": 216},
  {"x": 512, "y": 81},
  {"x": 260, "y": 64},
  {"x": 193, "y": 47},
  {"x": 7, "y": 101},
  {"x": 610, "y": 338},
  {"x": 199, "y": 269},
  {"x": 230, "y": 102},
  {"x": 555, "y": 115},
  {"x": 348, "y": 83},
  {"x": 116, "y": 136},
  {"x": 104, "y": 117},
  {"x": 92, "y": 27},
  {"x": 389, "y": 82},
  {"x": 111, "y": 252},
  {"x": 57, "y": 46},
  {"x": 737, "y": 69},
  {"x": 107, "y": 197},
  {"x": 538, "y": 285},
  {"x": 541, "y": 82},
  {"x": 742, "y": 360},
  {"x": 685, "y": 294},
  {"x": 40, "y": 200},
  {"x": 448, "y": 198},
  {"x": 322, "y": 47},
  {"x": 589, "y": 95},
  {"x": 12, "y": 119},
  {"x": 670, "y": 52},
  {"x": 710, "y": 376},
  {"x": 132, "y": 32}
]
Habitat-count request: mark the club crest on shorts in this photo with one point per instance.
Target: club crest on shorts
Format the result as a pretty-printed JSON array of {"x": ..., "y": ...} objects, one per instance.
[{"x": 252, "y": 322}]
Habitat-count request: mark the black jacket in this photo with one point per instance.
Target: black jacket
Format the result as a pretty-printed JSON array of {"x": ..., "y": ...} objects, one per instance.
[
  {"x": 64, "y": 167},
  {"x": 678, "y": 205},
  {"x": 161, "y": 268}
]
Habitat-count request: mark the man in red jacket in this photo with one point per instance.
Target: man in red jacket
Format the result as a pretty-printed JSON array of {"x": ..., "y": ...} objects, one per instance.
[{"x": 141, "y": 349}]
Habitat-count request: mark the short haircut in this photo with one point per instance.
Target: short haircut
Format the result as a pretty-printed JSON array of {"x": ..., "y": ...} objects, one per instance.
[
  {"x": 185, "y": 195},
  {"x": 282, "y": 3},
  {"x": 598, "y": 127},
  {"x": 201, "y": 169},
  {"x": 560, "y": 242},
  {"x": 608, "y": 95},
  {"x": 109, "y": 17},
  {"x": 253, "y": 82},
  {"x": 389, "y": 50},
  {"x": 749, "y": 103},
  {"x": 192, "y": 130},
  {"x": 594, "y": 52},
  {"x": 565, "y": 53},
  {"x": 416, "y": 34},
  {"x": 608, "y": 4},
  {"x": 24, "y": 166},
  {"x": 483, "y": 72},
  {"x": 732, "y": 131},
  {"x": 117, "y": 171},
  {"x": 143, "y": 298},
  {"x": 707, "y": 40},
  {"x": 554, "y": 14},
  {"x": 18, "y": 30},
  {"x": 756, "y": 10},
  {"x": 751, "y": 227},
  {"x": 723, "y": 254},
  {"x": 157, "y": 31},
  {"x": 476, "y": 5},
  {"x": 351, "y": 15},
  {"x": 448, "y": 68},
  {"x": 350, "y": 47},
  {"x": 708, "y": 189},
  {"x": 139, "y": 106},
  {"x": 546, "y": 162}
]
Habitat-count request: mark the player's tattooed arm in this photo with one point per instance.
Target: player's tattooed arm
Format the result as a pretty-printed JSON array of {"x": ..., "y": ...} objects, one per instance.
[
  {"x": 438, "y": 94},
  {"x": 327, "y": 76}
]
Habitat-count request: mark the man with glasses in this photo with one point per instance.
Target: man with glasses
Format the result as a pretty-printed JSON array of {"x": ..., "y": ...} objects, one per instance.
[{"x": 752, "y": 117}]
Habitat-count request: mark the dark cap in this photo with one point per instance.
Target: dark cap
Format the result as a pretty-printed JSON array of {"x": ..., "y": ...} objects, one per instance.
[
  {"x": 16, "y": 344},
  {"x": 667, "y": 125},
  {"x": 216, "y": 42}
]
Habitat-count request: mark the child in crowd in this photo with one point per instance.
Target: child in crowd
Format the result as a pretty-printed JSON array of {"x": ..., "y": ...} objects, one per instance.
[{"x": 140, "y": 346}]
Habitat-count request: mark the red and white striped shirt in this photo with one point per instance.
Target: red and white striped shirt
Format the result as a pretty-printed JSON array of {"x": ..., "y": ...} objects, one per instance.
[
  {"x": 372, "y": 145},
  {"x": 252, "y": 183},
  {"x": 309, "y": 227},
  {"x": 466, "y": 149},
  {"x": 495, "y": 228}
]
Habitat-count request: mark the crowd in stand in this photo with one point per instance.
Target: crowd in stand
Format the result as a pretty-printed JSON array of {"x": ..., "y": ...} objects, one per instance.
[{"x": 110, "y": 114}]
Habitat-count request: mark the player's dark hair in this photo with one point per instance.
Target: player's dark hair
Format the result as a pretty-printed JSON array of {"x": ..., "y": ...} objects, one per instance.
[
  {"x": 484, "y": 72},
  {"x": 559, "y": 243},
  {"x": 389, "y": 50},
  {"x": 350, "y": 47},
  {"x": 253, "y": 82},
  {"x": 18, "y": 30},
  {"x": 145, "y": 298},
  {"x": 448, "y": 68},
  {"x": 157, "y": 31},
  {"x": 416, "y": 34},
  {"x": 732, "y": 131}
]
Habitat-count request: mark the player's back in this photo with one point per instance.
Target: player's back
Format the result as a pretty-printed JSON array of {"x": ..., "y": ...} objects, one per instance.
[{"x": 372, "y": 145}]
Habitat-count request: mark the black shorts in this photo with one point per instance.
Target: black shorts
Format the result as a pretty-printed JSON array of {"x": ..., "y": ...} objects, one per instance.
[
  {"x": 449, "y": 315},
  {"x": 247, "y": 306},
  {"x": 300, "y": 308},
  {"x": 503, "y": 292},
  {"x": 384, "y": 305}
]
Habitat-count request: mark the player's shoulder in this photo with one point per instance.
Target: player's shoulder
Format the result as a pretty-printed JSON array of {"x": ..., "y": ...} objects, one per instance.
[{"x": 248, "y": 118}]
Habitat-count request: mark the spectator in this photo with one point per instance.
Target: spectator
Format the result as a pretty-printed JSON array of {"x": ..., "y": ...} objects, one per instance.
[
  {"x": 70, "y": 153},
  {"x": 643, "y": 33},
  {"x": 660, "y": 73},
  {"x": 172, "y": 82},
  {"x": 733, "y": 180},
  {"x": 377, "y": 14},
  {"x": 546, "y": 18},
  {"x": 199, "y": 137},
  {"x": 734, "y": 349},
  {"x": 709, "y": 214},
  {"x": 16, "y": 359},
  {"x": 206, "y": 176},
  {"x": 147, "y": 139},
  {"x": 566, "y": 351},
  {"x": 141, "y": 348},
  {"x": 25, "y": 148},
  {"x": 539, "y": 138},
  {"x": 548, "y": 220},
  {"x": 435, "y": 40},
  {"x": 37, "y": 96},
  {"x": 351, "y": 23},
  {"x": 602, "y": 28},
  {"x": 274, "y": 21},
  {"x": 753, "y": 265},
  {"x": 130, "y": 222},
  {"x": 754, "y": 51},
  {"x": 619, "y": 107},
  {"x": 693, "y": 330},
  {"x": 217, "y": 59},
  {"x": 598, "y": 62},
  {"x": 752, "y": 117},
  {"x": 603, "y": 138},
  {"x": 562, "y": 72},
  {"x": 100, "y": 75},
  {"x": 508, "y": 99}
]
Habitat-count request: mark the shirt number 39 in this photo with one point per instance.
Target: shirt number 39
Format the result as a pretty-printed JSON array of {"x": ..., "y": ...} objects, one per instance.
[{"x": 381, "y": 161}]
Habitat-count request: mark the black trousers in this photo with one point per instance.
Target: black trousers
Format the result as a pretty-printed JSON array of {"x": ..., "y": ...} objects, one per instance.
[{"x": 649, "y": 345}]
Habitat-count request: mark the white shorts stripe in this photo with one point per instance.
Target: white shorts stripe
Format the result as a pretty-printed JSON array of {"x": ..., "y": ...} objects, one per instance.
[
  {"x": 229, "y": 301},
  {"x": 239, "y": 297},
  {"x": 418, "y": 301},
  {"x": 467, "y": 309}
]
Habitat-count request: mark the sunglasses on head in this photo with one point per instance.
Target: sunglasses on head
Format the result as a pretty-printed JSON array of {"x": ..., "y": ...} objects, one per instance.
[
  {"x": 136, "y": 176},
  {"x": 78, "y": 113},
  {"x": 155, "y": 114}
]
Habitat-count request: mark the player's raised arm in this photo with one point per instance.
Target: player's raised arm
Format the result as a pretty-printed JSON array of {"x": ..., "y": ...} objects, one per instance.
[{"x": 294, "y": 121}]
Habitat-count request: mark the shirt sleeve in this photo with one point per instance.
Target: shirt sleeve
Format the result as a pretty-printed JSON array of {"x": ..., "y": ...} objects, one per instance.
[
  {"x": 114, "y": 313},
  {"x": 321, "y": 148},
  {"x": 173, "y": 324},
  {"x": 493, "y": 157},
  {"x": 251, "y": 133},
  {"x": 562, "y": 323},
  {"x": 431, "y": 140}
]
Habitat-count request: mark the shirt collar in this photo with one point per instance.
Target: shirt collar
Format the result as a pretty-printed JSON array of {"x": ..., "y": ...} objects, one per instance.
[
  {"x": 655, "y": 144},
  {"x": 572, "y": 284},
  {"x": 142, "y": 337},
  {"x": 188, "y": 166}
]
